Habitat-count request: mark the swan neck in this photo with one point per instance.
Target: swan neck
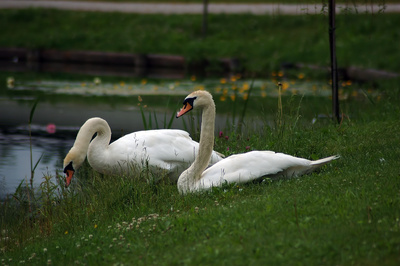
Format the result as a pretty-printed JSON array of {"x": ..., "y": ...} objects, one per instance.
[
  {"x": 86, "y": 132},
  {"x": 206, "y": 143}
]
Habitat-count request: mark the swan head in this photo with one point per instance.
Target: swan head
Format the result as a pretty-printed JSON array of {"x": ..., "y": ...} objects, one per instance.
[
  {"x": 197, "y": 99},
  {"x": 72, "y": 162}
]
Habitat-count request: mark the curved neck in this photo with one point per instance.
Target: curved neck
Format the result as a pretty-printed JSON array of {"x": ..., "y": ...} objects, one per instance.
[{"x": 86, "y": 132}]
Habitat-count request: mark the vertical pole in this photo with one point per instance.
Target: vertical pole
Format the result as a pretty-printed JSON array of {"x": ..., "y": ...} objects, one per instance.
[
  {"x": 205, "y": 13},
  {"x": 334, "y": 73}
]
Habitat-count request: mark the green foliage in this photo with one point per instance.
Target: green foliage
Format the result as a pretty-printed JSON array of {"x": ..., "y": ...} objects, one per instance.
[{"x": 346, "y": 214}]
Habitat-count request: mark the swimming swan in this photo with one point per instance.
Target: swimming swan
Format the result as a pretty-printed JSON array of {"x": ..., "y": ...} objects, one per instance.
[
  {"x": 240, "y": 168},
  {"x": 163, "y": 151}
]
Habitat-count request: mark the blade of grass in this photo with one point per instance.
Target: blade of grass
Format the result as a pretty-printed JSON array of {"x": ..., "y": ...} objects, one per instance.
[
  {"x": 155, "y": 119},
  {"x": 30, "y": 140}
]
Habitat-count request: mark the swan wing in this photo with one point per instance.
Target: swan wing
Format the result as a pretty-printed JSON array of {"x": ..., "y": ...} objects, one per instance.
[
  {"x": 171, "y": 150},
  {"x": 253, "y": 165}
]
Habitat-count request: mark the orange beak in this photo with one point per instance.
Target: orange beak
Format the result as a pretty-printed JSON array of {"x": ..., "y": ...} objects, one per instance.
[
  {"x": 186, "y": 108},
  {"x": 68, "y": 178}
]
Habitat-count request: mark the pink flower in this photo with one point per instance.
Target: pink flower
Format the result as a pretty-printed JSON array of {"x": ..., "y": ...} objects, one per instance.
[
  {"x": 227, "y": 149},
  {"x": 247, "y": 147},
  {"x": 51, "y": 128},
  {"x": 221, "y": 134},
  {"x": 226, "y": 137}
]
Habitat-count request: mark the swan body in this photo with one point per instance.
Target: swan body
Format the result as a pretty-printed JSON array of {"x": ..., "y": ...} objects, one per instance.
[
  {"x": 240, "y": 168},
  {"x": 163, "y": 151}
]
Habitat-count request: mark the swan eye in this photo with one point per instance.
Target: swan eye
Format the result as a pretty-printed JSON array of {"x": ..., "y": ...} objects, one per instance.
[
  {"x": 69, "y": 167},
  {"x": 189, "y": 100}
]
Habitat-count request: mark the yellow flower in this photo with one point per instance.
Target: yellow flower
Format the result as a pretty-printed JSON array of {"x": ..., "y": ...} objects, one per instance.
[
  {"x": 200, "y": 87},
  {"x": 233, "y": 97},
  {"x": 95, "y": 226},
  {"x": 83, "y": 84},
  {"x": 97, "y": 81},
  {"x": 10, "y": 82},
  {"x": 273, "y": 74},
  {"x": 348, "y": 83},
  {"x": 246, "y": 86},
  {"x": 225, "y": 91},
  {"x": 222, "y": 98},
  {"x": 218, "y": 89},
  {"x": 139, "y": 98},
  {"x": 122, "y": 83},
  {"x": 143, "y": 81},
  {"x": 193, "y": 78},
  {"x": 223, "y": 81},
  {"x": 285, "y": 86},
  {"x": 66, "y": 232},
  {"x": 233, "y": 78},
  {"x": 263, "y": 94},
  {"x": 280, "y": 73},
  {"x": 155, "y": 88},
  {"x": 245, "y": 96},
  {"x": 300, "y": 76}
]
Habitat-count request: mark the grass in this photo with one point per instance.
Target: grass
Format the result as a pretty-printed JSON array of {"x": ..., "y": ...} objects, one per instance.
[
  {"x": 262, "y": 43},
  {"x": 348, "y": 214}
]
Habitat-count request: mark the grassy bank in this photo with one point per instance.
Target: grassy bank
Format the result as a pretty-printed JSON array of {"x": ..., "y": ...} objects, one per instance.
[
  {"x": 348, "y": 214},
  {"x": 262, "y": 43}
]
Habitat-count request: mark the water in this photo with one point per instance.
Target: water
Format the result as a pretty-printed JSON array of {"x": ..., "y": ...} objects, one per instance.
[{"x": 15, "y": 165}]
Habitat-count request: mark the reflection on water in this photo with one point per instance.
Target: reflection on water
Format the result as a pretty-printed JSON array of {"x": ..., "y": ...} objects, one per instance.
[{"x": 15, "y": 163}]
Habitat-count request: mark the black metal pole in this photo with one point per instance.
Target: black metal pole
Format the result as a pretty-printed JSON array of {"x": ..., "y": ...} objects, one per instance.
[
  {"x": 334, "y": 73},
  {"x": 205, "y": 13}
]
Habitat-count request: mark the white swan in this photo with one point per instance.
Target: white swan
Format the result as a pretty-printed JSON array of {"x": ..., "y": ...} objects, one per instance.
[
  {"x": 163, "y": 151},
  {"x": 240, "y": 168}
]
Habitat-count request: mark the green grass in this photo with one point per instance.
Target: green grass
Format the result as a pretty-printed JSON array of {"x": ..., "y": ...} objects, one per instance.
[
  {"x": 347, "y": 214},
  {"x": 262, "y": 43}
]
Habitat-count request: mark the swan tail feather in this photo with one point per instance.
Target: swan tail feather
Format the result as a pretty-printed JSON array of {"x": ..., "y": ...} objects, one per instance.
[{"x": 321, "y": 162}]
